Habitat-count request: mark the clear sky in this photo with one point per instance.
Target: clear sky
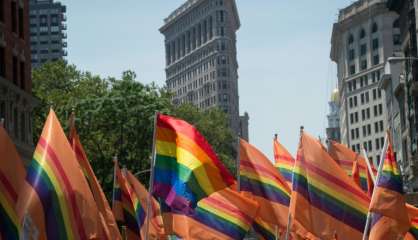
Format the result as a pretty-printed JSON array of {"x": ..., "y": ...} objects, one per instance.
[{"x": 285, "y": 74}]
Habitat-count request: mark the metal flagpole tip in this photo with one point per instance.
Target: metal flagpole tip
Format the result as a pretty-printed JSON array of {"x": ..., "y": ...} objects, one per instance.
[
  {"x": 275, "y": 136},
  {"x": 115, "y": 159},
  {"x": 301, "y": 129}
]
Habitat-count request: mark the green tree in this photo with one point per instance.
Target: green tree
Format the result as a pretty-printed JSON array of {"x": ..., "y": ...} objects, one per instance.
[{"x": 115, "y": 117}]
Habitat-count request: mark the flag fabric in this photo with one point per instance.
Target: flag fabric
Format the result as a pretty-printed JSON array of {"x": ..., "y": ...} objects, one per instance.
[
  {"x": 12, "y": 177},
  {"x": 260, "y": 178},
  {"x": 356, "y": 173},
  {"x": 58, "y": 197},
  {"x": 126, "y": 206},
  {"x": 413, "y": 216},
  {"x": 370, "y": 182},
  {"x": 283, "y": 160},
  {"x": 225, "y": 214},
  {"x": 156, "y": 226},
  {"x": 264, "y": 230},
  {"x": 390, "y": 216},
  {"x": 325, "y": 200},
  {"x": 110, "y": 227},
  {"x": 346, "y": 158},
  {"x": 186, "y": 168}
]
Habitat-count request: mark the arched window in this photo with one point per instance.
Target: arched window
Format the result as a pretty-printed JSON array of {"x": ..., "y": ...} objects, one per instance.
[
  {"x": 350, "y": 39},
  {"x": 374, "y": 27},
  {"x": 362, "y": 33}
]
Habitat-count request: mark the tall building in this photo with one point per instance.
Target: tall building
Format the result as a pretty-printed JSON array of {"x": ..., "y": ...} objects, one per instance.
[
  {"x": 405, "y": 87},
  {"x": 333, "y": 129},
  {"x": 47, "y": 31},
  {"x": 16, "y": 101},
  {"x": 201, "y": 56},
  {"x": 362, "y": 39}
]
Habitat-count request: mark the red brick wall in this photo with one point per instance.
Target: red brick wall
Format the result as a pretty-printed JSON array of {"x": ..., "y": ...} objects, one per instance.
[{"x": 13, "y": 41}]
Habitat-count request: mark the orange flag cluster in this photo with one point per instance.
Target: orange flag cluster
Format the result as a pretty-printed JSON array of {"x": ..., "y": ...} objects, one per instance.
[{"x": 323, "y": 193}]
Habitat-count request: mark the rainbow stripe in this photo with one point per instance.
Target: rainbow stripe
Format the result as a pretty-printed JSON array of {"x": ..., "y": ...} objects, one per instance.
[
  {"x": 264, "y": 230},
  {"x": 325, "y": 189},
  {"x": 9, "y": 227},
  {"x": 186, "y": 168},
  {"x": 263, "y": 182},
  {"x": 283, "y": 161},
  {"x": 48, "y": 178},
  {"x": 133, "y": 214},
  {"x": 390, "y": 177},
  {"x": 414, "y": 227}
]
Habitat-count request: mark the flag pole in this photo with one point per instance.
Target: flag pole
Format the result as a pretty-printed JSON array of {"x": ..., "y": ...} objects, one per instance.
[
  {"x": 289, "y": 216},
  {"x": 151, "y": 180},
  {"x": 115, "y": 161},
  {"x": 238, "y": 160},
  {"x": 369, "y": 214}
]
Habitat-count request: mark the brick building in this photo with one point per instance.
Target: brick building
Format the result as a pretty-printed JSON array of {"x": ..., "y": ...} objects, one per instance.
[{"x": 16, "y": 101}]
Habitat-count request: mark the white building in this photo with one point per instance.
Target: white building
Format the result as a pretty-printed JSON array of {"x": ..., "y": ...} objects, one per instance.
[{"x": 362, "y": 38}]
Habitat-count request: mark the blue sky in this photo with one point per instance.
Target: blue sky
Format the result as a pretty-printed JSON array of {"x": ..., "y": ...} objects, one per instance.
[{"x": 285, "y": 74}]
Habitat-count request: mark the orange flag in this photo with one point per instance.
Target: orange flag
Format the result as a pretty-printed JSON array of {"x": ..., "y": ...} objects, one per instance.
[
  {"x": 58, "y": 198},
  {"x": 346, "y": 158},
  {"x": 356, "y": 173},
  {"x": 12, "y": 178},
  {"x": 110, "y": 227},
  {"x": 260, "y": 178},
  {"x": 225, "y": 214},
  {"x": 390, "y": 216},
  {"x": 283, "y": 160},
  {"x": 325, "y": 200},
  {"x": 156, "y": 227}
]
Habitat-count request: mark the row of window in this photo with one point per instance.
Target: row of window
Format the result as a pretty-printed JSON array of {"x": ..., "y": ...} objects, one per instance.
[
  {"x": 18, "y": 76},
  {"x": 364, "y": 98},
  {"x": 367, "y": 130},
  {"x": 368, "y": 146},
  {"x": 363, "y": 81},
  {"x": 365, "y": 114},
  {"x": 17, "y": 17},
  {"x": 363, "y": 49},
  {"x": 19, "y": 122}
]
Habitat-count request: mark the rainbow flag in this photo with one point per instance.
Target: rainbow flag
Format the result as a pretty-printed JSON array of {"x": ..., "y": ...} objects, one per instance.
[
  {"x": 225, "y": 214},
  {"x": 128, "y": 211},
  {"x": 110, "y": 228},
  {"x": 156, "y": 227},
  {"x": 389, "y": 213},
  {"x": 324, "y": 199},
  {"x": 260, "y": 178},
  {"x": 283, "y": 160},
  {"x": 58, "y": 189},
  {"x": 12, "y": 176},
  {"x": 264, "y": 230},
  {"x": 186, "y": 168}
]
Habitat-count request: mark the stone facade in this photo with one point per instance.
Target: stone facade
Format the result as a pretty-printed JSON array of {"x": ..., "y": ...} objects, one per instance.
[
  {"x": 405, "y": 90},
  {"x": 201, "y": 56},
  {"x": 16, "y": 101},
  {"x": 362, "y": 38},
  {"x": 47, "y": 31},
  {"x": 333, "y": 129}
]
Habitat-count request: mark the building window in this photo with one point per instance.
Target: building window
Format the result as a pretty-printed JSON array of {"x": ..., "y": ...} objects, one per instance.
[
  {"x": 221, "y": 16},
  {"x": 13, "y": 10},
  {"x": 350, "y": 39},
  {"x": 2, "y": 62},
  {"x": 2, "y": 10},
  {"x": 22, "y": 76},
  {"x": 370, "y": 145},
  {"x": 396, "y": 39},
  {"x": 362, "y": 33},
  {"x": 363, "y": 64},
  {"x": 21, "y": 22},
  {"x": 352, "y": 69},
  {"x": 14, "y": 70},
  {"x": 374, "y": 27},
  {"x": 355, "y": 101},
  {"x": 374, "y": 94},
  {"x": 376, "y": 59},
  {"x": 363, "y": 49},
  {"x": 22, "y": 127},
  {"x": 362, "y": 98},
  {"x": 351, "y": 54},
  {"x": 375, "y": 44}
]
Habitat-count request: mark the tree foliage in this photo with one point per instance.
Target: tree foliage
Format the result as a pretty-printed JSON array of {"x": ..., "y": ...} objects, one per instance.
[{"x": 115, "y": 117}]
